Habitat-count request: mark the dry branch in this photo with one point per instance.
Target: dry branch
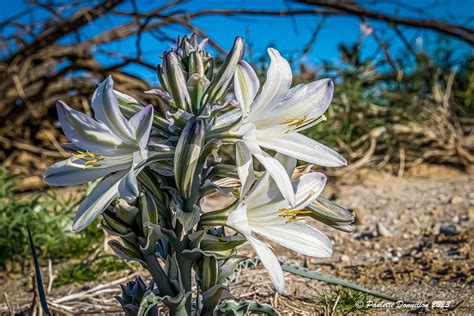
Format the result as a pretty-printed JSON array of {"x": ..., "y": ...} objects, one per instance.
[{"x": 351, "y": 8}]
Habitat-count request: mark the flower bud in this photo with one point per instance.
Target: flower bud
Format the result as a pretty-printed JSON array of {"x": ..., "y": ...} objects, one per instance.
[
  {"x": 196, "y": 64},
  {"x": 223, "y": 79},
  {"x": 197, "y": 86},
  {"x": 176, "y": 80},
  {"x": 187, "y": 153},
  {"x": 331, "y": 214}
]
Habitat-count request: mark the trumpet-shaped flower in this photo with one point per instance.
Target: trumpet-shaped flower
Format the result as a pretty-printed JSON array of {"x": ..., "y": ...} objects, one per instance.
[
  {"x": 107, "y": 145},
  {"x": 265, "y": 212},
  {"x": 274, "y": 117}
]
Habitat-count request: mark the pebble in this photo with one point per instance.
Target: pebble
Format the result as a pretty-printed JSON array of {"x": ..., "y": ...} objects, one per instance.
[
  {"x": 448, "y": 230},
  {"x": 345, "y": 258},
  {"x": 457, "y": 200},
  {"x": 383, "y": 231},
  {"x": 436, "y": 229}
]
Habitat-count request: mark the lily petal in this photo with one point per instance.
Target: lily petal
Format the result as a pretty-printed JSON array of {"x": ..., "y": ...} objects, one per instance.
[
  {"x": 275, "y": 88},
  {"x": 244, "y": 167},
  {"x": 270, "y": 262},
  {"x": 246, "y": 85},
  {"x": 97, "y": 201},
  {"x": 308, "y": 188},
  {"x": 107, "y": 110},
  {"x": 128, "y": 188},
  {"x": 238, "y": 220},
  {"x": 263, "y": 191},
  {"x": 141, "y": 124},
  {"x": 303, "y": 101},
  {"x": 301, "y": 147},
  {"x": 289, "y": 163},
  {"x": 64, "y": 173},
  {"x": 85, "y": 132},
  {"x": 297, "y": 236},
  {"x": 273, "y": 167}
]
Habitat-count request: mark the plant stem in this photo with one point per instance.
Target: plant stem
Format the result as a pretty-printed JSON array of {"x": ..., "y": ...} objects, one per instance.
[
  {"x": 182, "y": 310},
  {"x": 185, "y": 270},
  {"x": 159, "y": 276}
]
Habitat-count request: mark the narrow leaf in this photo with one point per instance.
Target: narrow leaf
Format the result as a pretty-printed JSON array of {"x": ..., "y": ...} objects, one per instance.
[{"x": 39, "y": 280}]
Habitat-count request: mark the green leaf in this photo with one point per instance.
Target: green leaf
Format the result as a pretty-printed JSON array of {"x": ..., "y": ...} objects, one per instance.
[
  {"x": 39, "y": 279},
  {"x": 233, "y": 308},
  {"x": 334, "y": 280}
]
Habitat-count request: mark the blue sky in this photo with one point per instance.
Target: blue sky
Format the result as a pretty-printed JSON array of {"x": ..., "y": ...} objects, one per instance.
[{"x": 288, "y": 34}]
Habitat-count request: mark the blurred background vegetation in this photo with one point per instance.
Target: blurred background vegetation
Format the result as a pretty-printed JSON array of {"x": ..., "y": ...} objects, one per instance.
[{"x": 403, "y": 105}]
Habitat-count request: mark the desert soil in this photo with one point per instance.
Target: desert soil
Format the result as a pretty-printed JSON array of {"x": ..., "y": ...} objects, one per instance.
[{"x": 412, "y": 239}]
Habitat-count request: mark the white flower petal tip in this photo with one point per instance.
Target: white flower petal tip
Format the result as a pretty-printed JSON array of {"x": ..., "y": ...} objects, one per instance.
[{"x": 246, "y": 85}]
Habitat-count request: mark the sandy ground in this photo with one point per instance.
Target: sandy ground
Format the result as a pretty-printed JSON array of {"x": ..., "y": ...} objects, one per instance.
[{"x": 412, "y": 239}]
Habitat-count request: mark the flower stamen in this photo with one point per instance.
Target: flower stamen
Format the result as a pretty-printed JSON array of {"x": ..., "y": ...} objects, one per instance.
[
  {"x": 293, "y": 215},
  {"x": 300, "y": 123},
  {"x": 90, "y": 160}
]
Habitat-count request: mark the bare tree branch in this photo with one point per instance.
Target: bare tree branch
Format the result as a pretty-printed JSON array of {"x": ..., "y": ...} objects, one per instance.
[{"x": 461, "y": 32}]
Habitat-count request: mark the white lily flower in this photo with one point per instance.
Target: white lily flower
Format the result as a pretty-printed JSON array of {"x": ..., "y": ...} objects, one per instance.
[
  {"x": 108, "y": 144},
  {"x": 274, "y": 118},
  {"x": 265, "y": 212}
]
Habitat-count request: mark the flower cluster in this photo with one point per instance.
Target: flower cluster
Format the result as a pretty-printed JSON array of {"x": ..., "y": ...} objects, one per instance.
[{"x": 217, "y": 132}]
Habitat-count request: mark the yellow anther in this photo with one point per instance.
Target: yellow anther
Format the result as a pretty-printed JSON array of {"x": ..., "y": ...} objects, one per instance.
[
  {"x": 90, "y": 160},
  {"x": 91, "y": 154},
  {"x": 301, "y": 123},
  {"x": 290, "y": 122},
  {"x": 293, "y": 215}
]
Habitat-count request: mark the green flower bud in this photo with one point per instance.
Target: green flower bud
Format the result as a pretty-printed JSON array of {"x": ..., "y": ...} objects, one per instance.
[
  {"x": 221, "y": 82},
  {"x": 197, "y": 87},
  {"x": 196, "y": 65},
  {"x": 331, "y": 214},
  {"x": 187, "y": 153},
  {"x": 176, "y": 80}
]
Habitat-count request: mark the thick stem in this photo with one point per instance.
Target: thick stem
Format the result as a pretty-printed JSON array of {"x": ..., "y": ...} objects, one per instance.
[
  {"x": 159, "y": 276},
  {"x": 185, "y": 266},
  {"x": 182, "y": 310}
]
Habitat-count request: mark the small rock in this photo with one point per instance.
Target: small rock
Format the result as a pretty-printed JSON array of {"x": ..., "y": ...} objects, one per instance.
[
  {"x": 463, "y": 217},
  {"x": 383, "y": 231},
  {"x": 448, "y": 230},
  {"x": 457, "y": 200},
  {"x": 456, "y": 219},
  {"x": 345, "y": 258}
]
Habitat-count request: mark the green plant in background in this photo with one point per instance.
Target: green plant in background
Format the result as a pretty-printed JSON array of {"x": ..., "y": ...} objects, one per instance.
[
  {"x": 49, "y": 218},
  {"x": 89, "y": 270},
  {"x": 390, "y": 115}
]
